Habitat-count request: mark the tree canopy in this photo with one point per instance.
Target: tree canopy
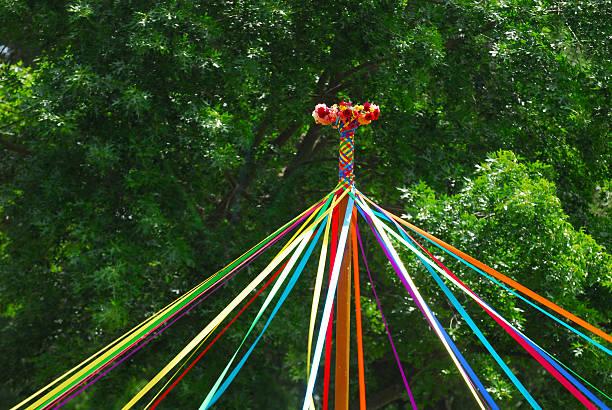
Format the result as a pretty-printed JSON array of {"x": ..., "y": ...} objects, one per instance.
[{"x": 145, "y": 144}]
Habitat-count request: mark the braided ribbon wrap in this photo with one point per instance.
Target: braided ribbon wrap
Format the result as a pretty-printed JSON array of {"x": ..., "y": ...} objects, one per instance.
[
  {"x": 346, "y": 117},
  {"x": 346, "y": 154}
]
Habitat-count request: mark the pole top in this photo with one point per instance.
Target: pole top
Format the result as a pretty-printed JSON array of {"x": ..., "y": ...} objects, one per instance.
[
  {"x": 346, "y": 117},
  {"x": 339, "y": 115}
]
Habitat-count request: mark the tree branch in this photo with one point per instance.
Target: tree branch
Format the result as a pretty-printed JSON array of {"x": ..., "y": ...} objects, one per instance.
[
  {"x": 341, "y": 78},
  {"x": 13, "y": 146},
  {"x": 310, "y": 144}
]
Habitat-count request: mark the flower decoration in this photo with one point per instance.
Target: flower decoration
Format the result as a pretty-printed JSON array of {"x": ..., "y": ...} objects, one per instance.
[
  {"x": 324, "y": 115},
  {"x": 346, "y": 112}
]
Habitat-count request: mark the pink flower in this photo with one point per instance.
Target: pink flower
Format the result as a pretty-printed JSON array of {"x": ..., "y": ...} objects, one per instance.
[{"x": 324, "y": 115}]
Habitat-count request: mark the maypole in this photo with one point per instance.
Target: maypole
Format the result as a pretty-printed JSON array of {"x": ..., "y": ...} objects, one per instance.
[
  {"x": 334, "y": 220},
  {"x": 346, "y": 118}
]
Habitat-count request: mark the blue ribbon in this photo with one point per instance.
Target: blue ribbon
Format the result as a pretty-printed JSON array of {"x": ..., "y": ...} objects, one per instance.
[
  {"x": 473, "y": 326},
  {"x": 551, "y": 360},
  {"x": 279, "y": 303},
  {"x": 518, "y": 295},
  {"x": 473, "y": 377}
]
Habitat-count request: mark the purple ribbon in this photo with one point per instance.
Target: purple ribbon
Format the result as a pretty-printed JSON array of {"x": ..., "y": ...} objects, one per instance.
[{"x": 382, "y": 315}]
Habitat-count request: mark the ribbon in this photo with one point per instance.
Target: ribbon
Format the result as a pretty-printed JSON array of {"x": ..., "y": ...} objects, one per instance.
[
  {"x": 331, "y": 291},
  {"x": 517, "y": 383},
  {"x": 208, "y": 401},
  {"x": 316, "y": 296},
  {"x": 384, "y": 320},
  {"x": 515, "y": 334},
  {"x": 66, "y": 383},
  {"x": 511, "y": 291},
  {"x": 162, "y": 396},
  {"x": 464, "y": 368},
  {"x": 358, "y": 331},
  {"x": 79, "y": 388},
  {"x": 224, "y": 313},
  {"x": 539, "y": 348},
  {"x": 279, "y": 303},
  {"x": 516, "y": 285},
  {"x": 330, "y": 331}
]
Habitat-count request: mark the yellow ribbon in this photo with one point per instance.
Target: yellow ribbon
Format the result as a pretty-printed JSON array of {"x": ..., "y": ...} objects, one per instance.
[
  {"x": 106, "y": 352},
  {"x": 381, "y": 231},
  {"x": 300, "y": 229},
  {"x": 316, "y": 296},
  {"x": 229, "y": 308}
]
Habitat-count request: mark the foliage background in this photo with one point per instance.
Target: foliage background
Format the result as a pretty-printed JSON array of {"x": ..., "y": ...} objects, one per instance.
[{"x": 143, "y": 144}]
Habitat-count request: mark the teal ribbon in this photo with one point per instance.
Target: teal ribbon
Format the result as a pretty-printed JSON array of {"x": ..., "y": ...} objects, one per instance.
[
  {"x": 518, "y": 295},
  {"x": 552, "y": 360},
  {"x": 288, "y": 288},
  {"x": 517, "y": 383},
  {"x": 468, "y": 369}
]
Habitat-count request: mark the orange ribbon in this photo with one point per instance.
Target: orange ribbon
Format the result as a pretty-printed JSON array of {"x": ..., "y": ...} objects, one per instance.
[{"x": 508, "y": 281}]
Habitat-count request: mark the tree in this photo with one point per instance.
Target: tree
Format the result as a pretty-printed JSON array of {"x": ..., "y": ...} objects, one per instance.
[
  {"x": 508, "y": 214},
  {"x": 143, "y": 144}
]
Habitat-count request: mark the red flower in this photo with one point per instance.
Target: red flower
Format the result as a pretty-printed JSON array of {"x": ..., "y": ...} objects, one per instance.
[{"x": 346, "y": 113}]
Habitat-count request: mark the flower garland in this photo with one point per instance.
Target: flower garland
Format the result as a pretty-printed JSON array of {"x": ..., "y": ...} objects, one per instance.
[{"x": 346, "y": 113}]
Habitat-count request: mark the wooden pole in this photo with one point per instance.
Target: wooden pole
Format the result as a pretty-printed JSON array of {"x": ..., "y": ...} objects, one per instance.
[{"x": 343, "y": 324}]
